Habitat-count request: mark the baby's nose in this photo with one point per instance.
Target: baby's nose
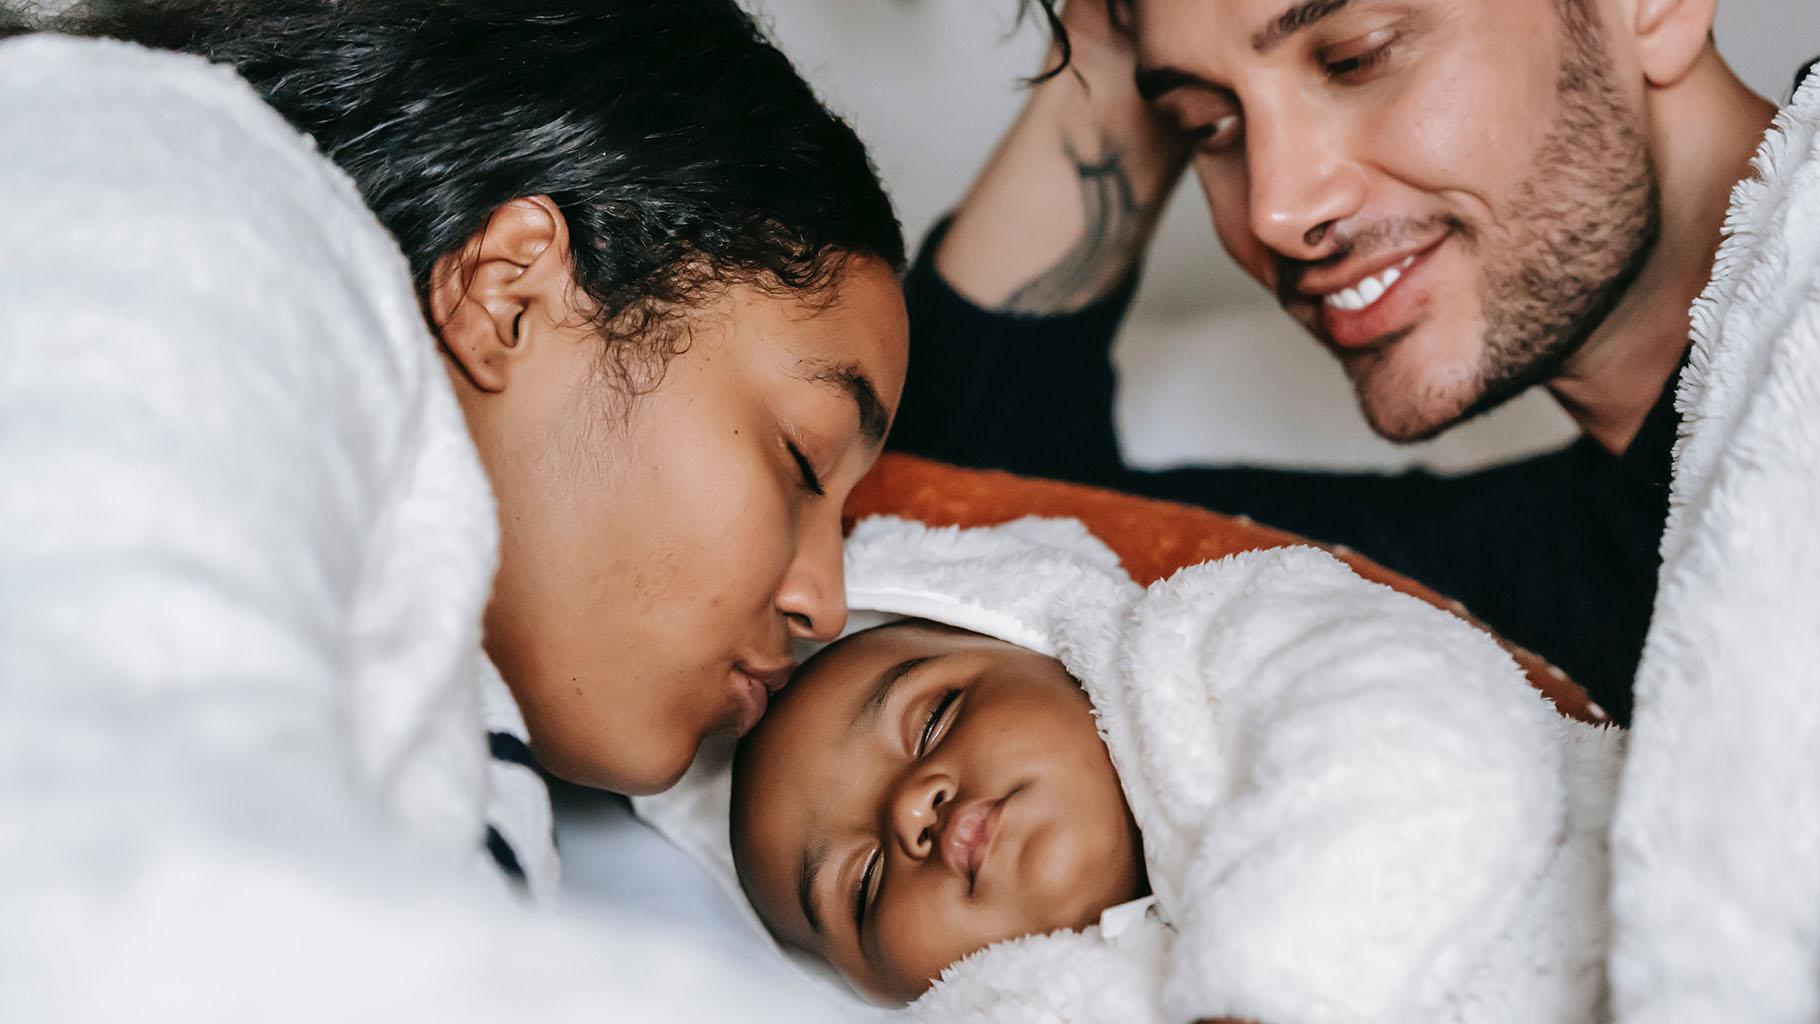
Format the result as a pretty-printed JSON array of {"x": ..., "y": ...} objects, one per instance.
[{"x": 916, "y": 812}]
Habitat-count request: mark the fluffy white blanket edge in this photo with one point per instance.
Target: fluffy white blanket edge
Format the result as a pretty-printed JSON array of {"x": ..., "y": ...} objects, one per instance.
[{"x": 1716, "y": 840}]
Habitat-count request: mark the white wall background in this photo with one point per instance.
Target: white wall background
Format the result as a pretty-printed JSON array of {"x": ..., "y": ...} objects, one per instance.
[{"x": 1211, "y": 370}]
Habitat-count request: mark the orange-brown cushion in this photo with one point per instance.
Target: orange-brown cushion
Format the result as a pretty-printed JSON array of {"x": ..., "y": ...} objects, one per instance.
[{"x": 1152, "y": 538}]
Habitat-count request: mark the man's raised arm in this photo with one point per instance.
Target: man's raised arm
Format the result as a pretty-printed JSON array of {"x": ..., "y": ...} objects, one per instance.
[{"x": 1064, "y": 208}]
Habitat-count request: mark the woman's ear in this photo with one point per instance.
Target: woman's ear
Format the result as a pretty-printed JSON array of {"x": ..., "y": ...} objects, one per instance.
[
  {"x": 487, "y": 298},
  {"x": 1671, "y": 35}
]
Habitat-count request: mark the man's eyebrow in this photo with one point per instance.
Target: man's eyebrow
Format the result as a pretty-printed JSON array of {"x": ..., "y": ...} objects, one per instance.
[
  {"x": 813, "y": 859},
  {"x": 880, "y": 693},
  {"x": 1152, "y": 83},
  {"x": 852, "y": 381},
  {"x": 1294, "y": 20}
]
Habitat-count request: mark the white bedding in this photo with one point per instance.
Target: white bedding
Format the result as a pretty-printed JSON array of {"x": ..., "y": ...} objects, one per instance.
[{"x": 245, "y": 543}]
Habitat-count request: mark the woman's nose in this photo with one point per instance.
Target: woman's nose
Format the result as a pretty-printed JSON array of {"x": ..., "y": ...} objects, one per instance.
[
  {"x": 917, "y": 809},
  {"x": 813, "y": 594}
]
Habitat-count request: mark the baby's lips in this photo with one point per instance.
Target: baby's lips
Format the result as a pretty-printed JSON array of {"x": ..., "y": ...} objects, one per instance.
[{"x": 966, "y": 836}]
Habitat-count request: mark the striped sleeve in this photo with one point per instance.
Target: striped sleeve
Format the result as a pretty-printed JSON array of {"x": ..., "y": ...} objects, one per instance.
[{"x": 520, "y": 836}]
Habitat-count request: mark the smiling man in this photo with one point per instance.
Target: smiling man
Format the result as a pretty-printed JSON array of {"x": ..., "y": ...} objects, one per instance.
[
  {"x": 1459, "y": 199},
  {"x": 1458, "y": 218}
]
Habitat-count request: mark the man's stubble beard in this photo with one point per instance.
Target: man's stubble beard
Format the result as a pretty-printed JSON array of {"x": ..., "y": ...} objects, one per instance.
[{"x": 1581, "y": 227}]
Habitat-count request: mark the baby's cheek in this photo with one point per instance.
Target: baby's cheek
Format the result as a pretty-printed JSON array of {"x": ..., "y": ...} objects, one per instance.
[
  {"x": 1071, "y": 876},
  {"x": 917, "y": 944}
]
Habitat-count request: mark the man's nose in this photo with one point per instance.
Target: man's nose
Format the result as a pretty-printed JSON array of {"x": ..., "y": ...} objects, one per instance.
[
  {"x": 917, "y": 809},
  {"x": 813, "y": 594},
  {"x": 1304, "y": 180}
]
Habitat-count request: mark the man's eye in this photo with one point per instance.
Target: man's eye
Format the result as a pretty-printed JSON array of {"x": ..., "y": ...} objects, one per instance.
[
  {"x": 1353, "y": 62},
  {"x": 1217, "y": 136},
  {"x": 862, "y": 897},
  {"x": 811, "y": 481},
  {"x": 935, "y": 719}
]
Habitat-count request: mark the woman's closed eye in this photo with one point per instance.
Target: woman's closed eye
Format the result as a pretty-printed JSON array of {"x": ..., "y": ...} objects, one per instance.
[{"x": 812, "y": 481}]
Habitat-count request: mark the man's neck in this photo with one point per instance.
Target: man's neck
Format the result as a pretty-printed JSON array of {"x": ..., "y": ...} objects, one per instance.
[{"x": 1704, "y": 131}]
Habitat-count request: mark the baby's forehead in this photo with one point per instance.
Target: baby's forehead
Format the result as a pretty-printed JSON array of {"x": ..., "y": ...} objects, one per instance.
[
  {"x": 909, "y": 631},
  {"x": 839, "y": 668}
]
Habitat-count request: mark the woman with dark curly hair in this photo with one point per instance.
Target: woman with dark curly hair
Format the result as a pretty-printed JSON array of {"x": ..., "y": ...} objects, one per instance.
[{"x": 644, "y": 336}]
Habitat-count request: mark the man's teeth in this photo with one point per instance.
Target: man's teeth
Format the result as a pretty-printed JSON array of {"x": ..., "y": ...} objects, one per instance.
[{"x": 1368, "y": 291}]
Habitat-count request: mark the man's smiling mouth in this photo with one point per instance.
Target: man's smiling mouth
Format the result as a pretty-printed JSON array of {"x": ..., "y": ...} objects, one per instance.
[
  {"x": 1358, "y": 307},
  {"x": 1368, "y": 290}
]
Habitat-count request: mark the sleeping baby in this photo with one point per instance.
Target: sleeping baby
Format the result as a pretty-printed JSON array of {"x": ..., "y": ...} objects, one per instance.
[
  {"x": 1263, "y": 789},
  {"x": 920, "y": 792}
]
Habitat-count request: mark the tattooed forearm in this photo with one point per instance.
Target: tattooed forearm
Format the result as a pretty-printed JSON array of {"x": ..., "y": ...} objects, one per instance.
[{"x": 1115, "y": 222}]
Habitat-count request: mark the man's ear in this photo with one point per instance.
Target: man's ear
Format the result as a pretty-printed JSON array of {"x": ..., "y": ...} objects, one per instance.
[
  {"x": 480, "y": 294},
  {"x": 1671, "y": 35}
]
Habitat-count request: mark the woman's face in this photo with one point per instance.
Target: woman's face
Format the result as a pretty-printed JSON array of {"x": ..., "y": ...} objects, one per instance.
[{"x": 659, "y": 551}]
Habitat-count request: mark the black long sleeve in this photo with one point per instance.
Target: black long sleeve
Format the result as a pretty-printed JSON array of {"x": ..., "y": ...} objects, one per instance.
[{"x": 1557, "y": 552}]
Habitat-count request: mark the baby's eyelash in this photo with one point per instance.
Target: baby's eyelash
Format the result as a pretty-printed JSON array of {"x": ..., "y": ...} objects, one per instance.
[
  {"x": 935, "y": 716},
  {"x": 863, "y": 890}
]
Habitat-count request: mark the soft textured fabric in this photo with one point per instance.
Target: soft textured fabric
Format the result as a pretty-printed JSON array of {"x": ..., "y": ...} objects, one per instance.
[
  {"x": 245, "y": 544},
  {"x": 1354, "y": 808},
  {"x": 1152, "y": 538},
  {"x": 1716, "y": 844},
  {"x": 1556, "y": 552},
  {"x": 520, "y": 823}
]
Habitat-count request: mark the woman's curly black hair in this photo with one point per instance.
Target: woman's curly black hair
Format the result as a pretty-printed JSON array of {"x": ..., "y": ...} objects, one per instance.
[{"x": 682, "y": 147}]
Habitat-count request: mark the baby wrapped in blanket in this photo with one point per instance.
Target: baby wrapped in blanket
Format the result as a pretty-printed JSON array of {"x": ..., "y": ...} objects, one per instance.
[{"x": 1263, "y": 789}]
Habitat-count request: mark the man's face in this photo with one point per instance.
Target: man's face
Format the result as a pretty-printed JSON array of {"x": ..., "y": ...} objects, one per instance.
[{"x": 1450, "y": 194}]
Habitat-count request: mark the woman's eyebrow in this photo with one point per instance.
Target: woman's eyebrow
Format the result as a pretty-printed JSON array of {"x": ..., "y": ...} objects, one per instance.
[
  {"x": 850, "y": 380},
  {"x": 879, "y": 694}
]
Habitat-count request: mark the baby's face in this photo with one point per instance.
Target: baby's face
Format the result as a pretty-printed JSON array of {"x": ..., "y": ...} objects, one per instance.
[{"x": 918, "y": 793}]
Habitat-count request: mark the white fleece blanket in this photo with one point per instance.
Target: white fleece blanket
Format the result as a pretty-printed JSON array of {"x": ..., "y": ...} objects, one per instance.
[
  {"x": 1354, "y": 807},
  {"x": 1716, "y": 843},
  {"x": 245, "y": 543}
]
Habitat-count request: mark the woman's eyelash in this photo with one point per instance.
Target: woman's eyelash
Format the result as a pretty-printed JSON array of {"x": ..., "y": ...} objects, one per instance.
[
  {"x": 811, "y": 481},
  {"x": 935, "y": 717},
  {"x": 864, "y": 890}
]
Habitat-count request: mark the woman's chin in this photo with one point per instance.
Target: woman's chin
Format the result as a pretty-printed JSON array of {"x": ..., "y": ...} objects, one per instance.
[{"x": 627, "y": 768}]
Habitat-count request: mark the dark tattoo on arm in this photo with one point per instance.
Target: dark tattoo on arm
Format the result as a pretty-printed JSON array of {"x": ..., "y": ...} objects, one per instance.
[{"x": 1115, "y": 228}]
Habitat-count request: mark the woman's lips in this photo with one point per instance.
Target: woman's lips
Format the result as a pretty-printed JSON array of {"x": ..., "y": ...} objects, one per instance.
[
  {"x": 967, "y": 837},
  {"x": 751, "y": 698},
  {"x": 752, "y": 690}
]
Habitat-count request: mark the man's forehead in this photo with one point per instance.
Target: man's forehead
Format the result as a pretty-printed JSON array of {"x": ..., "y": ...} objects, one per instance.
[
  {"x": 1181, "y": 33},
  {"x": 1224, "y": 17}
]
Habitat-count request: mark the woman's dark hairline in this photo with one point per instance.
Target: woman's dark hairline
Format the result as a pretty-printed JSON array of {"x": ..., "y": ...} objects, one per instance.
[{"x": 784, "y": 202}]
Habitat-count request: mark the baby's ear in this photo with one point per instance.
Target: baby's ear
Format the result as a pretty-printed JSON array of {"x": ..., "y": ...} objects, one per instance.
[{"x": 491, "y": 299}]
